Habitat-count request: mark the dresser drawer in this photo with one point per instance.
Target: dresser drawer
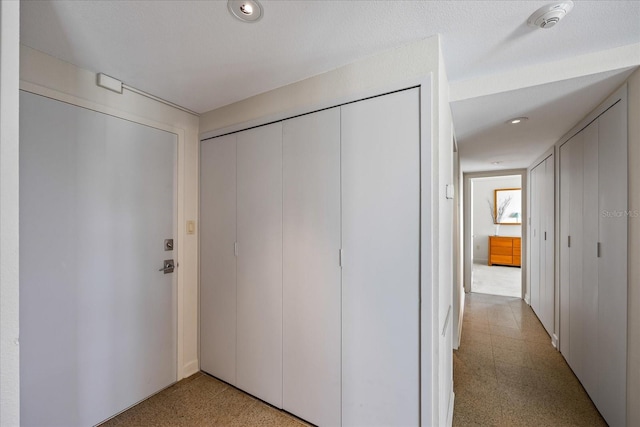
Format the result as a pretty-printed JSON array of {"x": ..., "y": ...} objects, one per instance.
[
  {"x": 504, "y": 242},
  {"x": 501, "y": 250},
  {"x": 501, "y": 259}
]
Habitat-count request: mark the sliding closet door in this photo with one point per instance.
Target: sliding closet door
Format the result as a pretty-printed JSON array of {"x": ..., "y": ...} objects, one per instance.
[
  {"x": 548, "y": 297},
  {"x": 590, "y": 262},
  {"x": 311, "y": 273},
  {"x": 578, "y": 333},
  {"x": 566, "y": 153},
  {"x": 612, "y": 263},
  {"x": 542, "y": 201},
  {"x": 381, "y": 299},
  {"x": 534, "y": 283},
  {"x": 217, "y": 256},
  {"x": 259, "y": 262},
  {"x": 572, "y": 332}
]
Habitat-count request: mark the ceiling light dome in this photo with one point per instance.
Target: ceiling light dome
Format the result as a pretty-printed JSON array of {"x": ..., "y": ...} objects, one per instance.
[
  {"x": 517, "y": 120},
  {"x": 245, "y": 10},
  {"x": 548, "y": 16}
]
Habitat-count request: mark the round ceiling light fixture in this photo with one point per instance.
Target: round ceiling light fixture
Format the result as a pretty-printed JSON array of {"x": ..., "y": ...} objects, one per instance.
[
  {"x": 549, "y": 15},
  {"x": 517, "y": 120},
  {"x": 245, "y": 10}
]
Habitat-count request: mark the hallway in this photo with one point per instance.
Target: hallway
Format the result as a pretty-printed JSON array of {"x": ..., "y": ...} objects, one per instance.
[{"x": 507, "y": 373}]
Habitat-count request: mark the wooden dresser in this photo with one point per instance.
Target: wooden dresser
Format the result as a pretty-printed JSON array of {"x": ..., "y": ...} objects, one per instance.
[{"x": 504, "y": 250}]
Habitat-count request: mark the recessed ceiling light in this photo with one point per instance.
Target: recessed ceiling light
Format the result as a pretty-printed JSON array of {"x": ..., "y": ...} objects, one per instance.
[
  {"x": 549, "y": 15},
  {"x": 496, "y": 163},
  {"x": 517, "y": 120},
  {"x": 245, "y": 10}
]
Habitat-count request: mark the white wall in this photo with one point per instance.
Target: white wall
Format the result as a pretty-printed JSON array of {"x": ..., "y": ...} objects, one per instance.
[
  {"x": 482, "y": 223},
  {"x": 443, "y": 273},
  {"x": 9, "y": 283},
  {"x": 398, "y": 68},
  {"x": 48, "y": 76},
  {"x": 384, "y": 71},
  {"x": 458, "y": 254},
  {"x": 633, "y": 322}
]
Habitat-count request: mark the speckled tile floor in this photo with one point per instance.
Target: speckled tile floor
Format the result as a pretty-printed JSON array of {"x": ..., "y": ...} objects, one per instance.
[
  {"x": 507, "y": 373},
  {"x": 201, "y": 400}
]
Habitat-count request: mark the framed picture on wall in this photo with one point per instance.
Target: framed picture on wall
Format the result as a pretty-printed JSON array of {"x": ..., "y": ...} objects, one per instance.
[{"x": 508, "y": 206}]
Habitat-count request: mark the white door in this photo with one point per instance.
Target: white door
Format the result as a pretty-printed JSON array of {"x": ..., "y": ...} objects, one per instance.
[
  {"x": 534, "y": 282},
  {"x": 259, "y": 263},
  {"x": 548, "y": 301},
  {"x": 312, "y": 274},
  {"x": 577, "y": 331},
  {"x": 381, "y": 229},
  {"x": 97, "y": 317},
  {"x": 217, "y": 257},
  {"x": 590, "y": 262},
  {"x": 566, "y": 155},
  {"x": 612, "y": 264}
]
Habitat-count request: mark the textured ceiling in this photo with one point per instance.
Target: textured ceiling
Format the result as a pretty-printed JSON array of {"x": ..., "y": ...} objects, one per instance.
[
  {"x": 553, "y": 109},
  {"x": 195, "y": 54}
]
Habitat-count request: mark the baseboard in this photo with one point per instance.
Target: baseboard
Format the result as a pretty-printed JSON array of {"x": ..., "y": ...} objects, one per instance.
[
  {"x": 526, "y": 299},
  {"x": 190, "y": 368},
  {"x": 450, "y": 410},
  {"x": 554, "y": 341}
]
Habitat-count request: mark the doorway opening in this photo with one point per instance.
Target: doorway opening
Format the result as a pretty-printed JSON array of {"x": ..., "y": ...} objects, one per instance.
[{"x": 496, "y": 235}]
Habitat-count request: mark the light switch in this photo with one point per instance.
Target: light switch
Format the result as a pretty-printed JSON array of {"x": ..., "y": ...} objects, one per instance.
[{"x": 191, "y": 227}]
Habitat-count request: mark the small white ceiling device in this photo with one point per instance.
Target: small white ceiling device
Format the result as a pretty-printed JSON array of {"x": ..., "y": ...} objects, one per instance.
[
  {"x": 548, "y": 16},
  {"x": 245, "y": 10}
]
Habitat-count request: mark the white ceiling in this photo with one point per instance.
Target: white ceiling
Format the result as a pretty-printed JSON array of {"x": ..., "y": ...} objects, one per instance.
[
  {"x": 553, "y": 109},
  {"x": 195, "y": 54}
]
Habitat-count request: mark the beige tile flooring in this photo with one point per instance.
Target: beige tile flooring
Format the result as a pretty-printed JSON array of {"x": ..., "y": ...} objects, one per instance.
[
  {"x": 507, "y": 373},
  {"x": 201, "y": 400}
]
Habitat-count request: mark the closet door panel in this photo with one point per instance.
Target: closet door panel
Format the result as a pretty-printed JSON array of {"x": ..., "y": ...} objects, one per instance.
[
  {"x": 590, "y": 264},
  {"x": 534, "y": 283},
  {"x": 259, "y": 262},
  {"x": 612, "y": 263},
  {"x": 542, "y": 208},
  {"x": 218, "y": 261},
  {"x": 566, "y": 153},
  {"x": 548, "y": 302},
  {"x": 380, "y": 199},
  {"x": 578, "y": 334},
  {"x": 311, "y": 273}
]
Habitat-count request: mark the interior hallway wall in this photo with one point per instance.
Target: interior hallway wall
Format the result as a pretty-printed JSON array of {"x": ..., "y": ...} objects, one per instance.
[
  {"x": 48, "y": 76},
  {"x": 9, "y": 215},
  {"x": 633, "y": 322}
]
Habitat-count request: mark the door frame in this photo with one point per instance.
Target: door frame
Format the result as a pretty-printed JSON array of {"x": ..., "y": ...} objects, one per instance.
[
  {"x": 179, "y": 197},
  {"x": 468, "y": 244}
]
